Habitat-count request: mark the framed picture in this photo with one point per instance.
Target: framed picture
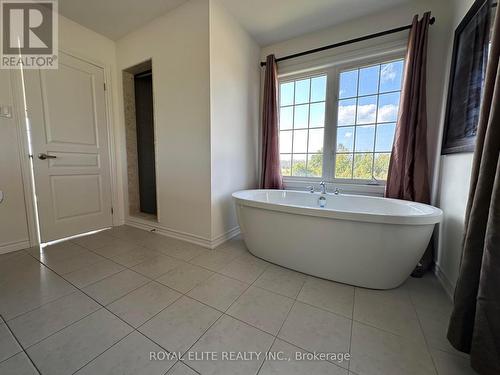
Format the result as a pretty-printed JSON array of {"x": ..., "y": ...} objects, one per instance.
[{"x": 468, "y": 68}]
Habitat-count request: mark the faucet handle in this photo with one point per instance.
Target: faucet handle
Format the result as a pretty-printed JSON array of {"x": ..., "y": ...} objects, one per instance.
[
  {"x": 337, "y": 191},
  {"x": 311, "y": 189}
]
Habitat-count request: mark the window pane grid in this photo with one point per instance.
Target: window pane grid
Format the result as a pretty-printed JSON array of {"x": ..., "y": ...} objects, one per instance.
[
  {"x": 300, "y": 152},
  {"x": 365, "y": 95},
  {"x": 368, "y": 102}
]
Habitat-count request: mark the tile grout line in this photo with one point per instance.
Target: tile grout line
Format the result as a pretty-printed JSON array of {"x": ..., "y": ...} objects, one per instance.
[
  {"x": 352, "y": 327},
  {"x": 295, "y": 299},
  {"x": 111, "y": 312},
  {"x": 422, "y": 330},
  {"x": 102, "y": 307},
  {"x": 185, "y": 294},
  {"x": 22, "y": 349},
  {"x": 224, "y": 314},
  {"x": 282, "y": 324}
]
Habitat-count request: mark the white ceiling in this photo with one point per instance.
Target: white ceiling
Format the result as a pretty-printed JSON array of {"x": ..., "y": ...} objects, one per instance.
[
  {"x": 272, "y": 21},
  {"x": 268, "y": 21},
  {"x": 115, "y": 18}
]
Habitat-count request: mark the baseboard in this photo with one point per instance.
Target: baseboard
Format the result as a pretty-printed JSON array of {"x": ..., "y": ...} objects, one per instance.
[
  {"x": 443, "y": 280},
  {"x": 14, "y": 246},
  {"x": 188, "y": 237},
  {"x": 219, "y": 240}
]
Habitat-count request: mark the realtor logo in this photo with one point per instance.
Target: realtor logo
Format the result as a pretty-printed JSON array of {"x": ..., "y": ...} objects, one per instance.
[{"x": 29, "y": 34}]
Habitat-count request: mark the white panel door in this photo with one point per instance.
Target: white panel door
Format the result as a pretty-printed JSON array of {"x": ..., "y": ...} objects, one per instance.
[{"x": 67, "y": 115}]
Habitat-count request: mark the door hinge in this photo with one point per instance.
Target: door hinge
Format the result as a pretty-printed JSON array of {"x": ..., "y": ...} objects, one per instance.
[
  {"x": 104, "y": 86},
  {"x": 112, "y": 211}
]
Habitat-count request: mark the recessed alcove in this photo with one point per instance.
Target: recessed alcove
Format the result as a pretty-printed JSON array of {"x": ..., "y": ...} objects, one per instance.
[{"x": 140, "y": 140}]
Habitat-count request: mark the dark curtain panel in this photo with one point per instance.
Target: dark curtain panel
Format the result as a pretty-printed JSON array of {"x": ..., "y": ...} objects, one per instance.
[
  {"x": 475, "y": 321},
  {"x": 271, "y": 173},
  {"x": 408, "y": 172}
]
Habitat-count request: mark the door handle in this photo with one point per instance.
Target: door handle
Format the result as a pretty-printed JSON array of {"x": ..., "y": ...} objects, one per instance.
[{"x": 43, "y": 156}]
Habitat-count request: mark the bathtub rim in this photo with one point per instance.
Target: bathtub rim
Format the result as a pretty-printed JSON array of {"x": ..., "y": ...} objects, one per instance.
[{"x": 431, "y": 218}]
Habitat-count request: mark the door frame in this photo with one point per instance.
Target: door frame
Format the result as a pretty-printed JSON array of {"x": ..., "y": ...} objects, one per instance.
[{"x": 111, "y": 129}]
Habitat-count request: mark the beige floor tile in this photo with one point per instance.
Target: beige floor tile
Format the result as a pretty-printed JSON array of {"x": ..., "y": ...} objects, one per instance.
[
  {"x": 159, "y": 242},
  {"x": 328, "y": 295},
  {"x": 131, "y": 234},
  {"x": 18, "y": 365},
  {"x": 73, "y": 263},
  {"x": 434, "y": 324},
  {"x": 234, "y": 247},
  {"x": 377, "y": 352},
  {"x": 296, "y": 365},
  {"x": 234, "y": 243},
  {"x": 317, "y": 330},
  {"x": 390, "y": 310},
  {"x": 36, "y": 325},
  {"x": 181, "y": 369},
  {"x": 31, "y": 291},
  {"x": 114, "y": 247},
  {"x": 59, "y": 251},
  {"x": 8, "y": 344},
  {"x": 185, "y": 277},
  {"x": 282, "y": 281},
  {"x": 178, "y": 326},
  {"x": 262, "y": 309},
  {"x": 433, "y": 308},
  {"x": 19, "y": 267},
  {"x": 76, "y": 345},
  {"x": 218, "y": 291},
  {"x": 233, "y": 335},
  {"x": 12, "y": 254},
  {"x": 143, "y": 303},
  {"x": 245, "y": 269},
  {"x": 184, "y": 252},
  {"x": 450, "y": 364},
  {"x": 93, "y": 273},
  {"x": 115, "y": 286},
  {"x": 213, "y": 260},
  {"x": 135, "y": 256},
  {"x": 94, "y": 241},
  {"x": 157, "y": 266},
  {"x": 174, "y": 247},
  {"x": 130, "y": 356}
]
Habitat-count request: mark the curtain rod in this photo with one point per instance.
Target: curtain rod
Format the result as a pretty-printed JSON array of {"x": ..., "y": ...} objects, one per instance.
[{"x": 346, "y": 42}]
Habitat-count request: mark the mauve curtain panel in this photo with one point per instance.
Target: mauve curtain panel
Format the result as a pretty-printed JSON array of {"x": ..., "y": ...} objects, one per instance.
[
  {"x": 408, "y": 172},
  {"x": 475, "y": 321},
  {"x": 271, "y": 173}
]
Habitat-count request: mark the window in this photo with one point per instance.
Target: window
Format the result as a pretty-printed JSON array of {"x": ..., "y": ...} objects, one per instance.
[
  {"x": 368, "y": 103},
  {"x": 347, "y": 137},
  {"x": 302, "y": 126}
]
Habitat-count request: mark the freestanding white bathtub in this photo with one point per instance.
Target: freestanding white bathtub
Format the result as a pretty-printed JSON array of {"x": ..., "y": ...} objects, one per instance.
[{"x": 359, "y": 240}]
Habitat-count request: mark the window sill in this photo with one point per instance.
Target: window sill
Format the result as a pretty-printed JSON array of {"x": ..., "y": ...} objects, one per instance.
[{"x": 361, "y": 188}]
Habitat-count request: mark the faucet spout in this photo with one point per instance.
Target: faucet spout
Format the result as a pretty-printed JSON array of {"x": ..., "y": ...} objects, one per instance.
[{"x": 322, "y": 185}]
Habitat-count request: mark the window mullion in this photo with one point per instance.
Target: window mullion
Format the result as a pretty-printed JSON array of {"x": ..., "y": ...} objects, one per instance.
[{"x": 330, "y": 132}]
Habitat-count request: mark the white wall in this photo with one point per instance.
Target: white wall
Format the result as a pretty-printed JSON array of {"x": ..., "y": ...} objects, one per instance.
[
  {"x": 14, "y": 233},
  {"x": 234, "y": 115},
  {"x": 178, "y": 44},
  {"x": 452, "y": 190}
]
